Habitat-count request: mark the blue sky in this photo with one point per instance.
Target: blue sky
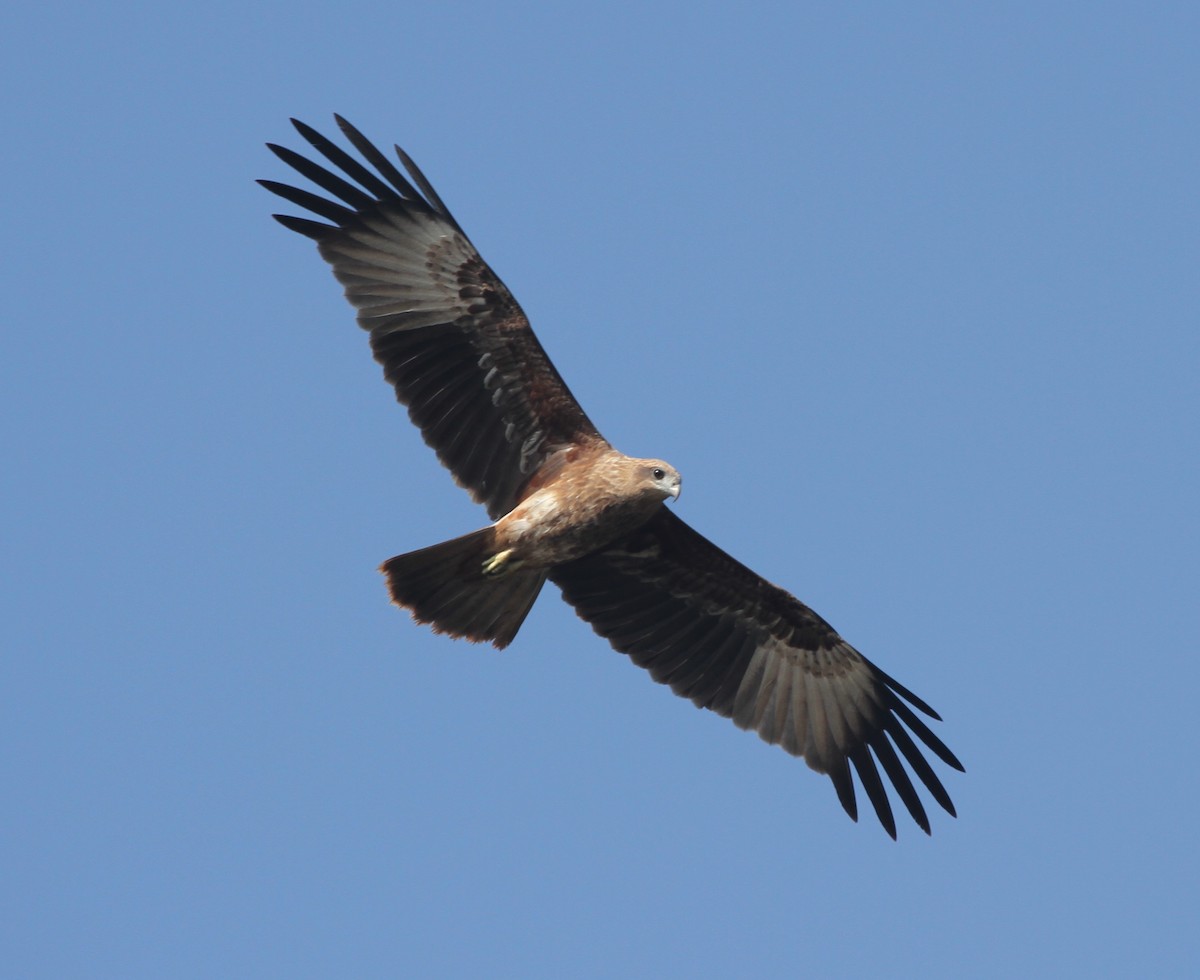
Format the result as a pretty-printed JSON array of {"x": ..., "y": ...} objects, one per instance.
[{"x": 909, "y": 295}]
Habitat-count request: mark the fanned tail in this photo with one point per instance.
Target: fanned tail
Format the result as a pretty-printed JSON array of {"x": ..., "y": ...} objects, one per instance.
[{"x": 445, "y": 586}]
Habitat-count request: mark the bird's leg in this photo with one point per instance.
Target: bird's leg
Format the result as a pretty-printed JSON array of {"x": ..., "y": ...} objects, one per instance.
[{"x": 501, "y": 563}]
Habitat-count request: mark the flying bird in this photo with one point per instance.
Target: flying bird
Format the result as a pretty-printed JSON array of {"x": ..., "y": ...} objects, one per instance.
[{"x": 568, "y": 507}]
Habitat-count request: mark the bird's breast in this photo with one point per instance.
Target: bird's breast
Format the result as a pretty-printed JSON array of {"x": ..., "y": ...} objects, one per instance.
[{"x": 554, "y": 525}]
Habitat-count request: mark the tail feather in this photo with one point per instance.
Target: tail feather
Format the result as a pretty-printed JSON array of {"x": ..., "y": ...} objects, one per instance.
[{"x": 444, "y": 586}]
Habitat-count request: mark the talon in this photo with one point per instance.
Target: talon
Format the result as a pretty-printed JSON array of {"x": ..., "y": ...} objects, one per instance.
[{"x": 498, "y": 563}]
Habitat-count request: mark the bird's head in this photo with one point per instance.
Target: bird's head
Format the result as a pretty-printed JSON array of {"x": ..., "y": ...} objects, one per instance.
[{"x": 661, "y": 478}]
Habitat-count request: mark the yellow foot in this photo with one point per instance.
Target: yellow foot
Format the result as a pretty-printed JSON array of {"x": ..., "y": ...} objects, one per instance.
[{"x": 500, "y": 563}]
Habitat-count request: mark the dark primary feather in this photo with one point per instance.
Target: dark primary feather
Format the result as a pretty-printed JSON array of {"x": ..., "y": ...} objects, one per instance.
[
  {"x": 724, "y": 637},
  {"x": 452, "y": 340}
]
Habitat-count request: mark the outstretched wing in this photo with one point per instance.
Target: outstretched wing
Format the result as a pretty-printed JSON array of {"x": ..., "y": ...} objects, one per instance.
[
  {"x": 729, "y": 640},
  {"x": 452, "y": 340}
]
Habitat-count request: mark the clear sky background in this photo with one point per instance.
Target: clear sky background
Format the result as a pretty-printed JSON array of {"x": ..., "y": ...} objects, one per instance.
[{"x": 909, "y": 293}]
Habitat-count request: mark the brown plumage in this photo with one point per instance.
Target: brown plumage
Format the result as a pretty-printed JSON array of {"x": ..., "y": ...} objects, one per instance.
[{"x": 567, "y": 506}]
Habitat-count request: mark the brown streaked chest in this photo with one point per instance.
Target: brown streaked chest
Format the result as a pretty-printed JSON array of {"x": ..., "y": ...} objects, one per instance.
[{"x": 580, "y": 509}]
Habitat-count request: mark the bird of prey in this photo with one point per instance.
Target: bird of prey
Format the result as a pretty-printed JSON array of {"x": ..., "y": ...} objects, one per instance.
[{"x": 567, "y": 506}]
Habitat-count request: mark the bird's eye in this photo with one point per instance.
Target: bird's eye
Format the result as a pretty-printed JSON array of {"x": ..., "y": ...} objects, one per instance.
[{"x": 658, "y": 473}]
